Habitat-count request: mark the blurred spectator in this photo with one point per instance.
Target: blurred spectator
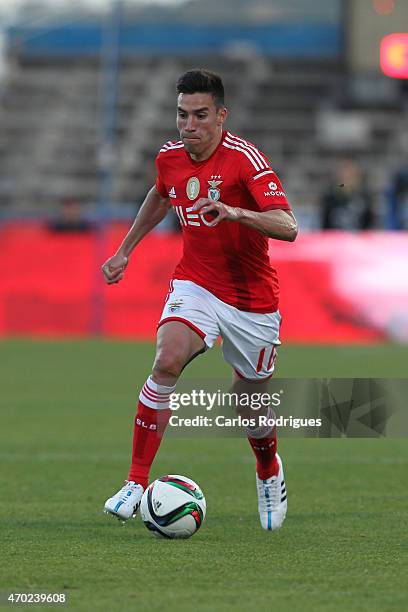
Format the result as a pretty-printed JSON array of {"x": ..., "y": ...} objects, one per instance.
[
  {"x": 347, "y": 204},
  {"x": 70, "y": 218},
  {"x": 397, "y": 201}
]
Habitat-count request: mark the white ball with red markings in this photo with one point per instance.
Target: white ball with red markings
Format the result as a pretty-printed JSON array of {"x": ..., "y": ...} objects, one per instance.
[{"x": 173, "y": 507}]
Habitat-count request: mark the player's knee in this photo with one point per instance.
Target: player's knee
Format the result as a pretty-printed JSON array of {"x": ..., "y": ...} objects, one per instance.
[{"x": 167, "y": 364}]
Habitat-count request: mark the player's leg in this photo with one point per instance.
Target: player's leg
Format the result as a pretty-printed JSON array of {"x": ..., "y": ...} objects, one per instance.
[
  {"x": 270, "y": 480},
  {"x": 187, "y": 327},
  {"x": 262, "y": 435},
  {"x": 249, "y": 346},
  {"x": 177, "y": 344}
]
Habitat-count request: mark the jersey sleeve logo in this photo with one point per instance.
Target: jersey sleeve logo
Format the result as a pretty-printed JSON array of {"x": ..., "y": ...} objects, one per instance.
[
  {"x": 193, "y": 188},
  {"x": 274, "y": 191}
]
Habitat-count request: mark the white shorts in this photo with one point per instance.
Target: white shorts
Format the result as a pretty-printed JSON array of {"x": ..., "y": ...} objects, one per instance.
[{"x": 249, "y": 339}]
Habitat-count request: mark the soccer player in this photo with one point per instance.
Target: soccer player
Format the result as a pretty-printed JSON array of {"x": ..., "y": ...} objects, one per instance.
[{"x": 229, "y": 202}]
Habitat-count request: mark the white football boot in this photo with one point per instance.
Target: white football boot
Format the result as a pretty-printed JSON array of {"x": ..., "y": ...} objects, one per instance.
[
  {"x": 125, "y": 503},
  {"x": 272, "y": 500}
]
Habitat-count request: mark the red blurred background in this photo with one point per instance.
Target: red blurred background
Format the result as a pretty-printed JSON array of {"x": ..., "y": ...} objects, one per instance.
[{"x": 335, "y": 286}]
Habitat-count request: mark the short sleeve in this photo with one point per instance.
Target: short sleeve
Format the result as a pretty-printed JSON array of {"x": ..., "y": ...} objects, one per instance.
[
  {"x": 160, "y": 186},
  {"x": 265, "y": 187}
]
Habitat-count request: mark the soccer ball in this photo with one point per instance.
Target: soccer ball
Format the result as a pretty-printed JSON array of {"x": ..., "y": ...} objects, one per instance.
[{"x": 173, "y": 506}]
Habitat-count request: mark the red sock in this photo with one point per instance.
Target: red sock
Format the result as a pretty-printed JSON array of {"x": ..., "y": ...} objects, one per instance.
[
  {"x": 150, "y": 425},
  {"x": 265, "y": 452}
]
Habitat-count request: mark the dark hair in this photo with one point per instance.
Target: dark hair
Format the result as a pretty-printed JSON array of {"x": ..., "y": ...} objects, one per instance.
[{"x": 202, "y": 81}]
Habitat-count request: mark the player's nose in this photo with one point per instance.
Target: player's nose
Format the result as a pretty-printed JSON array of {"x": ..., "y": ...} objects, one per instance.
[{"x": 191, "y": 124}]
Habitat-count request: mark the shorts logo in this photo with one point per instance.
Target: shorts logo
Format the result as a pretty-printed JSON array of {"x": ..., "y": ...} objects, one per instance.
[
  {"x": 213, "y": 192},
  {"x": 193, "y": 188},
  {"x": 272, "y": 186},
  {"x": 175, "y": 305}
]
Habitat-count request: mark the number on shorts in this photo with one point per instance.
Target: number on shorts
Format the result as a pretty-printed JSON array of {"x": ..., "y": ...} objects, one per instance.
[{"x": 261, "y": 359}]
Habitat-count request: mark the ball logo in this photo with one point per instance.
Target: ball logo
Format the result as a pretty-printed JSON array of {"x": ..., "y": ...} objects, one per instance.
[
  {"x": 193, "y": 188},
  {"x": 272, "y": 186}
]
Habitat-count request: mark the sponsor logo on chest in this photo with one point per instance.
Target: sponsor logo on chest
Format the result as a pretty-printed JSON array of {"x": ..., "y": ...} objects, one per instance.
[{"x": 186, "y": 215}]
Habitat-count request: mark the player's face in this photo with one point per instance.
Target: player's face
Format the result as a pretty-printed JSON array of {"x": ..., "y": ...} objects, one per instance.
[{"x": 200, "y": 123}]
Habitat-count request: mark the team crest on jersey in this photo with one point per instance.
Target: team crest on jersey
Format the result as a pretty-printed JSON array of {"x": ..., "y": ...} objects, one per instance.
[
  {"x": 193, "y": 188},
  {"x": 213, "y": 191}
]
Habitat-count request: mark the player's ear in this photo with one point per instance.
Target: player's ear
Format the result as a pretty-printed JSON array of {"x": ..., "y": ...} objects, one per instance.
[{"x": 222, "y": 115}]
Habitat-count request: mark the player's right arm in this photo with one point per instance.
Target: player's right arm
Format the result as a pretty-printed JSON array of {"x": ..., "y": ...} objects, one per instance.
[{"x": 152, "y": 211}]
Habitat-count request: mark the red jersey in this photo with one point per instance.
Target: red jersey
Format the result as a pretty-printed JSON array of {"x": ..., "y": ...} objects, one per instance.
[{"x": 230, "y": 260}]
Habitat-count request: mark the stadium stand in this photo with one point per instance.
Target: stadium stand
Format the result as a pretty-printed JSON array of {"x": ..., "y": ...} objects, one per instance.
[{"x": 50, "y": 117}]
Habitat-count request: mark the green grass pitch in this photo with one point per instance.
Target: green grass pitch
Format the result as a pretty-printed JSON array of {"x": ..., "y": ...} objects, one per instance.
[{"x": 66, "y": 422}]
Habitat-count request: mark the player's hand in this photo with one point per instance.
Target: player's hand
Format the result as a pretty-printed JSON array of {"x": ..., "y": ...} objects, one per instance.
[
  {"x": 218, "y": 210},
  {"x": 114, "y": 268}
]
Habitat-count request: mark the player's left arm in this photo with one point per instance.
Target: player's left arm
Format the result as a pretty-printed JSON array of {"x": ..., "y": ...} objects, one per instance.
[{"x": 276, "y": 223}]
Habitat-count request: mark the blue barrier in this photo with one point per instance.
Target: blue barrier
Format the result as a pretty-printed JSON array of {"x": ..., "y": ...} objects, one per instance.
[{"x": 280, "y": 40}]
